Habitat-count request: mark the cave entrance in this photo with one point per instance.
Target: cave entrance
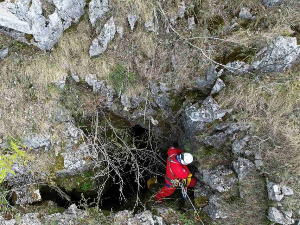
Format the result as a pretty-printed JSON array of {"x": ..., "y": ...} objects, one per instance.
[{"x": 116, "y": 197}]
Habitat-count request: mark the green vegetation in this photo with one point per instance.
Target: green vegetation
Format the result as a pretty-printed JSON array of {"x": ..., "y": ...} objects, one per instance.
[
  {"x": 7, "y": 160},
  {"x": 122, "y": 79}
]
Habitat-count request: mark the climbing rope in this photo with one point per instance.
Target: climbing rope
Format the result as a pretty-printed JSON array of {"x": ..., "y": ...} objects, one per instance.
[{"x": 185, "y": 196}]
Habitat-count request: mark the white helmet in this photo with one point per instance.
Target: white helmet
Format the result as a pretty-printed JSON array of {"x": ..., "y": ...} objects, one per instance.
[{"x": 186, "y": 158}]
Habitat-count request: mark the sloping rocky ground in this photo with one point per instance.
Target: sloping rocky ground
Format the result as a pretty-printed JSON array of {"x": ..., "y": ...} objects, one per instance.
[{"x": 173, "y": 68}]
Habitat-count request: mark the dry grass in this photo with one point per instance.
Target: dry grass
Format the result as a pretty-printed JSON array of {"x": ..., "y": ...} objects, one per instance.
[{"x": 272, "y": 107}]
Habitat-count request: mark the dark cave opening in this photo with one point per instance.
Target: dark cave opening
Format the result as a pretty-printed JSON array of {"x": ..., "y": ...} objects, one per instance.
[{"x": 111, "y": 198}]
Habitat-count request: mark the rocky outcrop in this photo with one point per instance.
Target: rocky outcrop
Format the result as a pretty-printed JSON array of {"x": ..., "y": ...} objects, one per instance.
[
  {"x": 127, "y": 217},
  {"x": 281, "y": 54},
  {"x": 97, "y": 9},
  {"x": 27, "y": 17},
  {"x": 215, "y": 208},
  {"x": 27, "y": 194},
  {"x": 238, "y": 145},
  {"x": 100, "y": 43},
  {"x": 220, "y": 179},
  {"x": 242, "y": 167},
  {"x": 196, "y": 118},
  {"x": 280, "y": 216},
  {"x": 276, "y": 192}
]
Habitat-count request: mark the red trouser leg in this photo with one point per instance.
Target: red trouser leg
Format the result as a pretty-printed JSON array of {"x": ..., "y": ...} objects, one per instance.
[{"x": 164, "y": 192}]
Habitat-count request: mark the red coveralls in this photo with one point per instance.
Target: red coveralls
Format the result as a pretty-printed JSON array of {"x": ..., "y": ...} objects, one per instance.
[{"x": 180, "y": 171}]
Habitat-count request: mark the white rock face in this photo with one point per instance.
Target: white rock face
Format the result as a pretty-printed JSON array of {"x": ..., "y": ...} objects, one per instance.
[
  {"x": 99, "y": 44},
  {"x": 97, "y": 9},
  {"x": 27, "y": 17},
  {"x": 277, "y": 57}
]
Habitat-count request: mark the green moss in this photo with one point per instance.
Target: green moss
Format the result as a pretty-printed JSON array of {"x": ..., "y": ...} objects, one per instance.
[
  {"x": 59, "y": 162},
  {"x": 80, "y": 182},
  {"x": 201, "y": 201}
]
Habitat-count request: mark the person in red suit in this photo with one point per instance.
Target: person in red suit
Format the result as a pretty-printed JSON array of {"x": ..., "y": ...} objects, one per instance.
[{"x": 177, "y": 170}]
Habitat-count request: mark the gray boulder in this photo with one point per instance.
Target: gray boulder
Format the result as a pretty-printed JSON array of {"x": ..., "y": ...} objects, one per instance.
[
  {"x": 276, "y": 192},
  {"x": 237, "y": 67},
  {"x": 27, "y": 17},
  {"x": 242, "y": 167},
  {"x": 245, "y": 13},
  {"x": 3, "y": 53},
  {"x": 281, "y": 217},
  {"x": 26, "y": 194},
  {"x": 97, "y": 9},
  {"x": 219, "y": 85},
  {"x": 38, "y": 141},
  {"x": 271, "y": 3},
  {"x": 206, "y": 84},
  {"x": 220, "y": 179},
  {"x": 161, "y": 96},
  {"x": 196, "y": 119},
  {"x": 238, "y": 145},
  {"x": 278, "y": 56},
  {"x": 132, "y": 20},
  {"x": 224, "y": 132},
  {"x": 99, "y": 44},
  {"x": 215, "y": 208}
]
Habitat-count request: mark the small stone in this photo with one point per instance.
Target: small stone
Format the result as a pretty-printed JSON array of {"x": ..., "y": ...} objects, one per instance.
[
  {"x": 219, "y": 85},
  {"x": 258, "y": 155},
  {"x": 191, "y": 23},
  {"x": 245, "y": 13},
  {"x": 274, "y": 191},
  {"x": 76, "y": 78},
  {"x": 132, "y": 20},
  {"x": 120, "y": 31},
  {"x": 258, "y": 163},
  {"x": 3, "y": 53},
  {"x": 242, "y": 167},
  {"x": 287, "y": 191},
  {"x": 271, "y": 3},
  {"x": 181, "y": 10},
  {"x": 97, "y": 9},
  {"x": 276, "y": 216}
]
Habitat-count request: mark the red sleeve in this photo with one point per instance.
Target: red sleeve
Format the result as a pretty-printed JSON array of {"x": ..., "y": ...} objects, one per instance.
[
  {"x": 173, "y": 150},
  {"x": 181, "y": 171}
]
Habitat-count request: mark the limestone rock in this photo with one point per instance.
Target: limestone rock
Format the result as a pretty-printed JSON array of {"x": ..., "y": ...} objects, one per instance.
[
  {"x": 26, "y": 194},
  {"x": 219, "y": 85},
  {"x": 196, "y": 119},
  {"x": 242, "y": 167},
  {"x": 191, "y": 23},
  {"x": 237, "y": 67},
  {"x": 278, "y": 56},
  {"x": 38, "y": 141},
  {"x": 100, "y": 87},
  {"x": 220, "y": 179},
  {"x": 7, "y": 222},
  {"x": 214, "y": 209},
  {"x": 228, "y": 130},
  {"x": 97, "y": 9},
  {"x": 181, "y": 10},
  {"x": 61, "y": 82},
  {"x": 69, "y": 11},
  {"x": 281, "y": 217},
  {"x": 152, "y": 25},
  {"x": 238, "y": 145},
  {"x": 99, "y": 44},
  {"x": 206, "y": 84},
  {"x": 245, "y": 13},
  {"x": 30, "y": 218},
  {"x": 132, "y": 20},
  {"x": 161, "y": 97},
  {"x": 75, "y": 78},
  {"x": 287, "y": 191},
  {"x": 271, "y": 3},
  {"x": 276, "y": 192},
  {"x": 143, "y": 218},
  {"x": 3, "y": 53},
  {"x": 258, "y": 163}
]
